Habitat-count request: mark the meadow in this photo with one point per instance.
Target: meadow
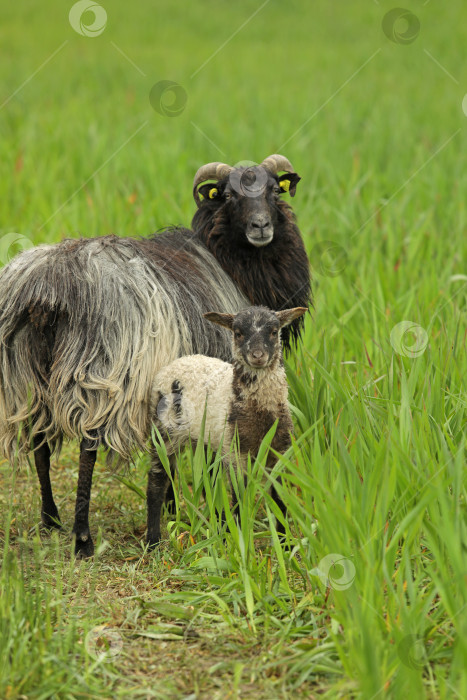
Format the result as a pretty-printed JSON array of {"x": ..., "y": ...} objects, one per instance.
[{"x": 367, "y": 598}]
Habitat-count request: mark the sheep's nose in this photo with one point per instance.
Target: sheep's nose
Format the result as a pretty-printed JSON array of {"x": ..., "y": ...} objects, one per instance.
[
  {"x": 257, "y": 354},
  {"x": 260, "y": 222}
]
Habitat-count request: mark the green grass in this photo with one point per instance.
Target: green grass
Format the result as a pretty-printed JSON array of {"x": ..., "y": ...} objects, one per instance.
[{"x": 377, "y": 473}]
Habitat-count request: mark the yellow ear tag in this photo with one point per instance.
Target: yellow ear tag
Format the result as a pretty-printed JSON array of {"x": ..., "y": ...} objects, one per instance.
[
  {"x": 212, "y": 193},
  {"x": 285, "y": 185}
]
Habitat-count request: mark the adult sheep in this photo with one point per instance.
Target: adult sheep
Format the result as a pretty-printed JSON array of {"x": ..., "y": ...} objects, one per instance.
[{"x": 86, "y": 324}]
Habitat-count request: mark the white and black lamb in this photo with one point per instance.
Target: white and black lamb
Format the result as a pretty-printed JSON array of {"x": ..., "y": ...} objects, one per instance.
[{"x": 242, "y": 399}]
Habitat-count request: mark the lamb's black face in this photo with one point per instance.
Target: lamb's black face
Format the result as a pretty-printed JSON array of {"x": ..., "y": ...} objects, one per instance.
[
  {"x": 249, "y": 197},
  {"x": 256, "y": 337}
]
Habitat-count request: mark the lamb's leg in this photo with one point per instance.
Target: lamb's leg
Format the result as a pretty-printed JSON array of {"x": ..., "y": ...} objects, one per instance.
[
  {"x": 50, "y": 516},
  {"x": 240, "y": 469},
  {"x": 233, "y": 501},
  {"x": 277, "y": 499},
  {"x": 84, "y": 546},
  {"x": 158, "y": 482}
]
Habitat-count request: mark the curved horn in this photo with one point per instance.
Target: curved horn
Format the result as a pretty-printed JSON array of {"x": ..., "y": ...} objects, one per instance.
[
  {"x": 210, "y": 171},
  {"x": 277, "y": 163}
]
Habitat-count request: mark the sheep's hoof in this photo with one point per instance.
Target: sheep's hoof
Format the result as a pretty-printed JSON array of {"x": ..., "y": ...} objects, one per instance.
[
  {"x": 51, "y": 522},
  {"x": 152, "y": 541},
  {"x": 84, "y": 547},
  {"x": 171, "y": 507}
]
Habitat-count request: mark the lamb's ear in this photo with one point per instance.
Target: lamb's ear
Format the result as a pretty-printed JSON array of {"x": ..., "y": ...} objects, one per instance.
[
  {"x": 225, "y": 320},
  {"x": 288, "y": 315}
]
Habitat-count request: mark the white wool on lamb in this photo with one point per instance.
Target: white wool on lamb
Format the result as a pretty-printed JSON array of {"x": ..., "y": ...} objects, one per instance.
[{"x": 200, "y": 382}]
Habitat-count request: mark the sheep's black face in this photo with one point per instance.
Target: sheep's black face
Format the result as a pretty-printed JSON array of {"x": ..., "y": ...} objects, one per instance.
[
  {"x": 249, "y": 198},
  {"x": 256, "y": 333},
  {"x": 251, "y": 195}
]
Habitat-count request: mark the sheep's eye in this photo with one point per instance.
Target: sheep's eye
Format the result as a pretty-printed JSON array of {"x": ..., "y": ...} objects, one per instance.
[
  {"x": 277, "y": 191},
  {"x": 227, "y": 195},
  {"x": 238, "y": 334},
  {"x": 274, "y": 333}
]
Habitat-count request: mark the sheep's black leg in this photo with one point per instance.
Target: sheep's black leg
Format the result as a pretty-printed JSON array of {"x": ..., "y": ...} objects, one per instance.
[
  {"x": 170, "y": 499},
  {"x": 277, "y": 499},
  {"x": 169, "y": 494},
  {"x": 50, "y": 516},
  {"x": 158, "y": 483},
  {"x": 84, "y": 546}
]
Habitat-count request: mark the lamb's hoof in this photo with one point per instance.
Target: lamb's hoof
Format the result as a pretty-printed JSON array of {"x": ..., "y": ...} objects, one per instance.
[
  {"x": 51, "y": 522},
  {"x": 283, "y": 541},
  {"x": 84, "y": 547}
]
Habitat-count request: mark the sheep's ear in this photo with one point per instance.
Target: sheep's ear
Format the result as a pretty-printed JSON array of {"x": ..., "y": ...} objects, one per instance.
[
  {"x": 288, "y": 315},
  {"x": 209, "y": 191},
  {"x": 225, "y": 320},
  {"x": 288, "y": 182}
]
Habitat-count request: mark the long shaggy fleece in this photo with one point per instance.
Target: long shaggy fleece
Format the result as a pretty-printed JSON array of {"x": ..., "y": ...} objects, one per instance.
[{"x": 86, "y": 324}]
